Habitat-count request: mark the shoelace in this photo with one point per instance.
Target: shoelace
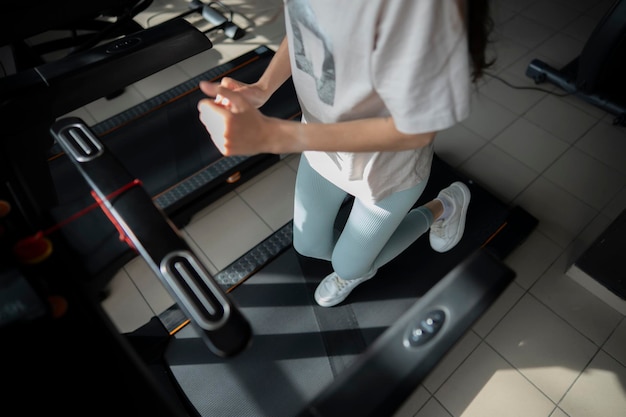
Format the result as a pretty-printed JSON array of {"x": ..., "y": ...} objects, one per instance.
[
  {"x": 437, "y": 228},
  {"x": 339, "y": 283}
]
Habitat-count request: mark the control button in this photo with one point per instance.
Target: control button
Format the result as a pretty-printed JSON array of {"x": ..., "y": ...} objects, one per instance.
[
  {"x": 425, "y": 329},
  {"x": 123, "y": 44},
  {"x": 32, "y": 250},
  {"x": 5, "y": 208},
  {"x": 432, "y": 323}
]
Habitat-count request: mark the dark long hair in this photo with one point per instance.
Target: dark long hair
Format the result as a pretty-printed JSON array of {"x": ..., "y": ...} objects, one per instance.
[{"x": 480, "y": 26}]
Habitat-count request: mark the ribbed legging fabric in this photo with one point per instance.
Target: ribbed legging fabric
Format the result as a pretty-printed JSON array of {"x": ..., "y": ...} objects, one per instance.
[{"x": 374, "y": 234}]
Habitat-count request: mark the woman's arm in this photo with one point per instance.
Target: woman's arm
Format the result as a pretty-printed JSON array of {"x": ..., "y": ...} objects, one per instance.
[
  {"x": 277, "y": 71},
  {"x": 275, "y": 75},
  {"x": 365, "y": 135},
  {"x": 238, "y": 128}
]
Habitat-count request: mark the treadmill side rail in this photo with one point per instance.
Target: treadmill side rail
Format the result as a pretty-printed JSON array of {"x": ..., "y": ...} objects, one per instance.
[
  {"x": 131, "y": 58},
  {"x": 147, "y": 230},
  {"x": 381, "y": 379}
]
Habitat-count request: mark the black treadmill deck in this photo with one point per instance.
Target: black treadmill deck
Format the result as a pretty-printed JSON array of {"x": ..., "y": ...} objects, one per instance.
[
  {"x": 299, "y": 348},
  {"x": 162, "y": 143}
]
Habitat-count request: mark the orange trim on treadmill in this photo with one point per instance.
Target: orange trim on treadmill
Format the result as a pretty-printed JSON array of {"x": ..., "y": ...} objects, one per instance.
[
  {"x": 242, "y": 280},
  {"x": 178, "y": 97},
  {"x": 490, "y": 238},
  {"x": 234, "y": 178},
  {"x": 180, "y": 326}
]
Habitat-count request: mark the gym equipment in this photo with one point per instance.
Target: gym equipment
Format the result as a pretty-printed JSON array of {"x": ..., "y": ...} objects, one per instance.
[
  {"x": 46, "y": 275},
  {"x": 300, "y": 359},
  {"x": 86, "y": 25},
  {"x": 163, "y": 144},
  {"x": 596, "y": 267},
  {"x": 387, "y": 372},
  {"x": 597, "y": 74},
  {"x": 145, "y": 229},
  {"x": 314, "y": 360},
  {"x": 51, "y": 90}
]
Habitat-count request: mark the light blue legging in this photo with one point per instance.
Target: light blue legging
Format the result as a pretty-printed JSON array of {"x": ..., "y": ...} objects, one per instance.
[{"x": 374, "y": 234}]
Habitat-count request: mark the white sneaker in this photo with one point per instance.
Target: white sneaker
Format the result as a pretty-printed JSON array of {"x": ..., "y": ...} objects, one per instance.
[
  {"x": 446, "y": 233},
  {"x": 333, "y": 290}
]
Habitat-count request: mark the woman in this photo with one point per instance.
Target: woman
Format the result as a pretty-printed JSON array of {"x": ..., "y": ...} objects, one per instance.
[{"x": 376, "y": 80}]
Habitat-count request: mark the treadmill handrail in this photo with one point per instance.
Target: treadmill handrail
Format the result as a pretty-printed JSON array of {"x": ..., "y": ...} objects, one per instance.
[
  {"x": 131, "y": 58},
  {"x": 382, "y": 378},
  {"x": 147, "y": 229}
]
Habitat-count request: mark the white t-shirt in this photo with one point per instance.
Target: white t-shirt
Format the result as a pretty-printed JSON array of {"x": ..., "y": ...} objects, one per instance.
[{"x": 354, "y": 59}]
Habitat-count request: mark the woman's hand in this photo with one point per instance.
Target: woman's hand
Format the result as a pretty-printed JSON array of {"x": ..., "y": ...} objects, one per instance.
[
  {"x": 255, "y": 95},
  {"x": 232, "y": 119}
]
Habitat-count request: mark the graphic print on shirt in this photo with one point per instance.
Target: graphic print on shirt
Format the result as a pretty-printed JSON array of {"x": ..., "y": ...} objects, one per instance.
[{"x": 302, "y": 16}]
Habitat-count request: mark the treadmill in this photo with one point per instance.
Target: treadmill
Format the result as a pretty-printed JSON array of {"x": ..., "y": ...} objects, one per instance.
[
  {"x": 163, "y": 144},
  {"x": 249, "y": 340},
  {"x": 597, "y": 74}
]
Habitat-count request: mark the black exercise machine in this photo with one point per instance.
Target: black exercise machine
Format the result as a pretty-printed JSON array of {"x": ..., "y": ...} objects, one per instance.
[
  {"x": 83, "y": 25},
  {"x": 162, "y": 142},
  {"x": 48, "y": 91},
  {"x": 597, "y": 74},
  {"x": 176, "y": 161},
  {"x": 48, "y": 297},
  {"x": 226, "y": 347}
]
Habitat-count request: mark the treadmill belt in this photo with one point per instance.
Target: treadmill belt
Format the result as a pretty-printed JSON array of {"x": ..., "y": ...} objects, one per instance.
[
  {"x": 286, "y": 364},
  {"x": 162, "y": 142},
  {"x": 299, "y": 348}
]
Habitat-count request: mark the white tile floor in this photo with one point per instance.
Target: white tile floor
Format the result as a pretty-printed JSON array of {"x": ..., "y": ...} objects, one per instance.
[{"x": 548, "y": 347}]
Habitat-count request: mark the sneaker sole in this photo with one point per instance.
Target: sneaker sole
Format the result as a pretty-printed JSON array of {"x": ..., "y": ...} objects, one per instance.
[
  {"x": 330, "y": 303},
  {"x": 335, "y": 301},
  {"x": 459, "y": 233}
]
